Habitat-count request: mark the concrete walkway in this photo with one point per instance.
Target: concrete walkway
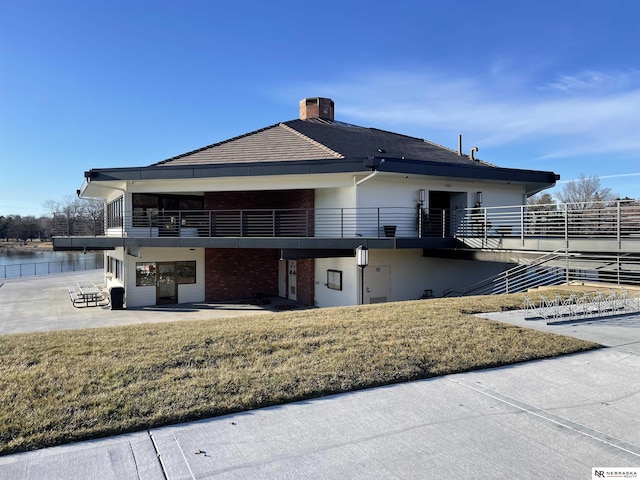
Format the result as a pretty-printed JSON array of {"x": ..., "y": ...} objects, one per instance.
[
  {"x": 547, "y": 419},
  {"x": 40, "y": 304}
]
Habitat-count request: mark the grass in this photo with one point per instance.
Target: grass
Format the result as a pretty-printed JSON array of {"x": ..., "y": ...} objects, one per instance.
[{"x": 65, "y": 386}]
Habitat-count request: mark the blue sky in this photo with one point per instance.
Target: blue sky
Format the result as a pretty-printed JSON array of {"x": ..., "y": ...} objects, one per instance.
[{"x": 548, "y": 85}]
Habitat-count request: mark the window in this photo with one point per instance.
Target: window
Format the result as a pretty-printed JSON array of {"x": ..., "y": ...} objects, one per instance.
[
  {"x": 186, "y": 272},
  {"x": 148, "y": 207},
  {"x": 114, "y": 213},
  {"x": 145, "y": 210},
  {"x": 334, "y": 279},
  {"x": 115, "y": 267},
  {"x": 145, "y": 274}
]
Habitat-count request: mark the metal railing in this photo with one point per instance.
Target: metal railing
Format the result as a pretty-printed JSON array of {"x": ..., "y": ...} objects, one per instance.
[
  {"x": 557, "y": 269},
  {"x": 568, "y": 220},
  {"x": 537, "y": 273},
  {"x": 46, "y": 268},
  {"x": 620, "y": 219},
  {"x": 319, "y": 222}
]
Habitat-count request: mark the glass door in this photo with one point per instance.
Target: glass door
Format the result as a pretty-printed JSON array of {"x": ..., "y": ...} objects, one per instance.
[{"x": 166, "y": 291}]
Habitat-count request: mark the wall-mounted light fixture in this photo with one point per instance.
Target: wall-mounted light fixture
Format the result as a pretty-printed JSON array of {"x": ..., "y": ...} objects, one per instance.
[
  {"x": 422, "y": 197},
  {"x": 479, "y": 198}
]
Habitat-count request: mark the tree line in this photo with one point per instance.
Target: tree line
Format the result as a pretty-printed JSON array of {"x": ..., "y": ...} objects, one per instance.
[
  {"x": 583, "y": 193},
  {"x": 70, "y": 211}
]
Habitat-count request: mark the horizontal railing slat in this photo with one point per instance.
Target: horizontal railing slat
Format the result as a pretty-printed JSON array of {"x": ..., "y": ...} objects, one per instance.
[{"x": 566, "y": 221}]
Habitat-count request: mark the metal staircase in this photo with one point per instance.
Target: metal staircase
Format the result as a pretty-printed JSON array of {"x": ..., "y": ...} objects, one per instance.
[{"x": 558, "y": 268}]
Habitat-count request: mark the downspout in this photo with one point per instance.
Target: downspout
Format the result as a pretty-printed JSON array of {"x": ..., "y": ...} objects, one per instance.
[
  {"x": 368, "y": 177},
  {"x": 359, "y": 182}
]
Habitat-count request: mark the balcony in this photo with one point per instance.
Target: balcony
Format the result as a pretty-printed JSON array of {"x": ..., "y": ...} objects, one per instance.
[
  {"x": 614, "y": 227},
  {"x": 266, "y": 228}
]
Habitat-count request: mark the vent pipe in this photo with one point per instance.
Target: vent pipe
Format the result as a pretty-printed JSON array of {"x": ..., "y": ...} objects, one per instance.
[
  {"x": 460, "y": 145},
  {"x": 473, "y": 150}
]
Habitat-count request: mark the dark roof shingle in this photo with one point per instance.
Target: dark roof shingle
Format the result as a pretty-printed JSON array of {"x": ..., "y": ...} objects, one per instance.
[{"x": 314, "y": 139}]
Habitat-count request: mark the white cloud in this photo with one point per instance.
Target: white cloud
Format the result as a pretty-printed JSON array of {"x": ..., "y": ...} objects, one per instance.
[
  {"x": 593, "y": 79},
  {"x": 500, "y": 111}
]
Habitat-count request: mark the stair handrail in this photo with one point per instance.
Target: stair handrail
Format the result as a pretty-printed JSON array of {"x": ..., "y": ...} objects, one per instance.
[{"x": 507, "y": 274}]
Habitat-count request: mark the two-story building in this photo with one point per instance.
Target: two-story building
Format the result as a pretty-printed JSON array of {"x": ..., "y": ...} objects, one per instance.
[{"x": 281, "y": 211}]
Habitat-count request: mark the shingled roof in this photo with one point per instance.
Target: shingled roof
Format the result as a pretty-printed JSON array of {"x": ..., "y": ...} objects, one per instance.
[
  {"x": 318, "y": 139},
  {"x": 317, "y": 144}
]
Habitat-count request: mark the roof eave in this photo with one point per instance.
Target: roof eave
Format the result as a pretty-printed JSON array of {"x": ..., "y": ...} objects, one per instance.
[
  {"x": 247, "y": 169},
  {"x": 534, "y": 179}
]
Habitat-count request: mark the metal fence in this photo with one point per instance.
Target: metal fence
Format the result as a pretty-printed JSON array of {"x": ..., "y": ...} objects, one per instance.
[{"x": 47, "y": 268}]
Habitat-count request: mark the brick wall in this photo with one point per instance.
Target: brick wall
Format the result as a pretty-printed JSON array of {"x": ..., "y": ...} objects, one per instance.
[
  {"x": 305, "y": 278},
  {"x": 236, "y": 273},
  {"x": 232, "y": 273}
]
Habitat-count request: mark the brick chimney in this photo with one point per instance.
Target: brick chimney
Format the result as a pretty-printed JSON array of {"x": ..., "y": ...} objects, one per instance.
[{"x": 316, "y": 108}]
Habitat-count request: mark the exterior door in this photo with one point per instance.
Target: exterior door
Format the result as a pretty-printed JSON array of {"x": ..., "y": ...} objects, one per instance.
[
  {"x": 292, "y": 293},
  {"x": 441, "y": 219},
  {"x": 377, "y": 284},
  {"x": 282, "y": 278},
  {"x": 166, "y": 285}
]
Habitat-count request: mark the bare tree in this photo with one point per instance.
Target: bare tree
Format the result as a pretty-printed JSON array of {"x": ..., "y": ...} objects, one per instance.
[
  {"x": 541, "y": 202},
  {"x": 76, "y": 216},
  {"x": 94, "y": 211},
  {"x": 585, "y": 192}
]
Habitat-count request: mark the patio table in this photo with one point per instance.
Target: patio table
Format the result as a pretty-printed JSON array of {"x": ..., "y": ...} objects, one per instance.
[{"x": 89, "y": 292}]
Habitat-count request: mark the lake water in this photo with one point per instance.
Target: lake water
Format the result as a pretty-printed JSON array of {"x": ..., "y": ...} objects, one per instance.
[{"x": 25, "y": 263}]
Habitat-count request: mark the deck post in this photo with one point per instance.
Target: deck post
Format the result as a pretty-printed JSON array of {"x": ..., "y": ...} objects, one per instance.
[
  {"x": 522, "y": 225},
  {"x": 618, "y": 224}
]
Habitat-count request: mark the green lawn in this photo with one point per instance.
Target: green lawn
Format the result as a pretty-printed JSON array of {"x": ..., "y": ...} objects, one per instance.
[{"x": 65, "y": 386}]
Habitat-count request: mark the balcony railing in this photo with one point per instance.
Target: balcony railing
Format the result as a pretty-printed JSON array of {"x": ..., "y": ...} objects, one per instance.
[
  {"x": 320, "y": 222},
  {"x": 615, "y": 220},
  {"x": 620, "y": 219}
]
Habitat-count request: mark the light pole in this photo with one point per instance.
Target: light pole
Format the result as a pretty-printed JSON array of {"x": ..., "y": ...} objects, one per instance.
[{"x": 362, "y": 260}]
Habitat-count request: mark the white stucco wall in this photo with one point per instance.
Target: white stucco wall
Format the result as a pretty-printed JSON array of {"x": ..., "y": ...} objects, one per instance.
[
  {"x": 111, "y": 281},
  {"x": 334, "y": 207},
  {"x": 410, "y": 275},
  {"x": 398, "y": 197},
  {"x": 142, "y": 296},
  {"x": 397, "y": 191},
  {"x": 326, "y": 297}
]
